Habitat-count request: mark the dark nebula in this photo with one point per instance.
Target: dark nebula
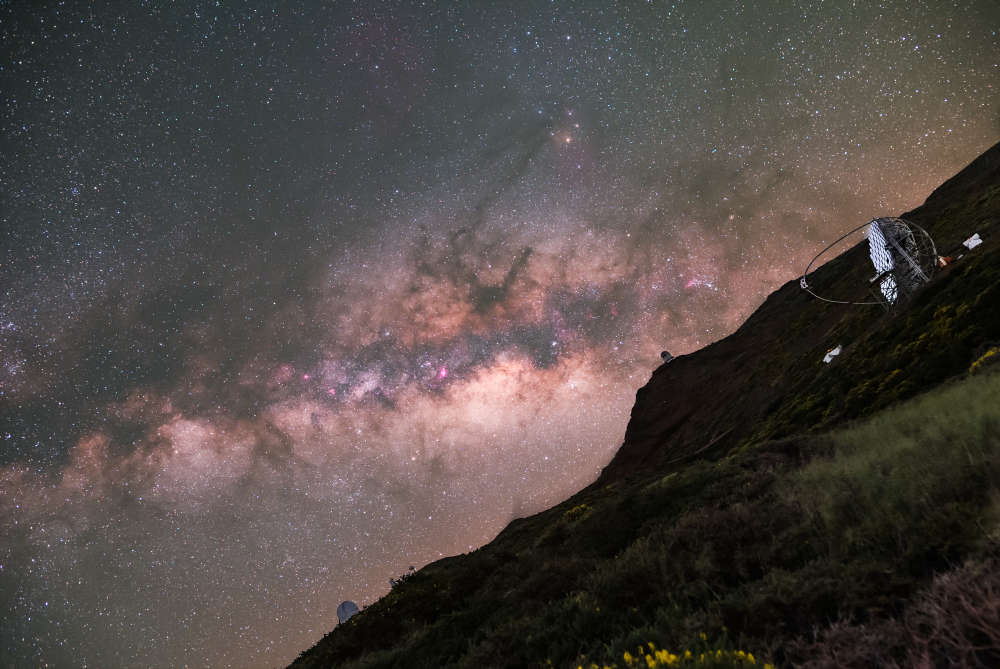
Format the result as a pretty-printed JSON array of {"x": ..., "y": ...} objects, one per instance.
[{"x": 296, "y": 295}]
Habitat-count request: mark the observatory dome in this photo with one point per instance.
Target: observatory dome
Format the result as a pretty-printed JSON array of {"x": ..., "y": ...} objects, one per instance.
[{"x": 346, "y": 610}]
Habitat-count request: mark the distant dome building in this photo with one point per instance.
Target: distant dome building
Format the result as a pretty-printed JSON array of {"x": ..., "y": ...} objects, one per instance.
[{"x": 346, "y": 610}]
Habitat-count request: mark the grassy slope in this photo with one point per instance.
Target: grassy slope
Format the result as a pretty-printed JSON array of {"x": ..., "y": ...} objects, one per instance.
[{"x": 749, "y": 505}]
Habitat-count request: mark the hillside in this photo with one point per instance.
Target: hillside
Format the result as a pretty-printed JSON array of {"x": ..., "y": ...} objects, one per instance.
[{"x": 762, "y": 501}]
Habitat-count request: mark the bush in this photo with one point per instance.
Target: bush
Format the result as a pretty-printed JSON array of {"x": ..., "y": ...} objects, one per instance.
[
  {"x": 991, "y": 357},
  {"x": 953, "y": 623},
  {"x": 911, "y": 479}
]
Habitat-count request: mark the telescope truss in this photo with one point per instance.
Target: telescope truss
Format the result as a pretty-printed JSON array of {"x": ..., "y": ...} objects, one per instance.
[{"x": 903, "y": 254}]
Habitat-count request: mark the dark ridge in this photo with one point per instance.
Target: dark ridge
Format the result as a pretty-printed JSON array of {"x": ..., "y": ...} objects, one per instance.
[
  {"x": 724, "y": 522},
  {"x": 733, "y": 383}
]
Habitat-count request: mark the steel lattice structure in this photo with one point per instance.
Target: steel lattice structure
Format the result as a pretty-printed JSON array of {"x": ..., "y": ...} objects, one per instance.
[{"x": 903, "y": 254}]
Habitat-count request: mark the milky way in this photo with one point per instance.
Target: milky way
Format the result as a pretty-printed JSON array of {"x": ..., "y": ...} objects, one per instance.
[{"x": 297, "y": 296}]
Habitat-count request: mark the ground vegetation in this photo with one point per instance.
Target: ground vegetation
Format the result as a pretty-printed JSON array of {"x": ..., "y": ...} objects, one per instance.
[{"x": 765, "y": 508}]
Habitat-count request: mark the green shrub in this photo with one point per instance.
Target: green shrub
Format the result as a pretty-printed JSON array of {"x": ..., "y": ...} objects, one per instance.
[
  {"x": 912, "y": 479},
  {"x": 991, "y": 357}
]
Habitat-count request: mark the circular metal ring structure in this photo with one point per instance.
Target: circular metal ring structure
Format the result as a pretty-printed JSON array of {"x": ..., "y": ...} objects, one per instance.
[{"x": 903, "y": 254}]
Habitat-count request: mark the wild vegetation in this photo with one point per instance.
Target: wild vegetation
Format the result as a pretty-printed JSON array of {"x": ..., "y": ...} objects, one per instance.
[
  {"x": 834, "y": 550},
  {"x": 782, "y": 512}
]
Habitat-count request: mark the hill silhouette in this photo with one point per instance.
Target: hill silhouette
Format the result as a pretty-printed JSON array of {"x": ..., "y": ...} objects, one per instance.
[{"x": 765, "y": 507}]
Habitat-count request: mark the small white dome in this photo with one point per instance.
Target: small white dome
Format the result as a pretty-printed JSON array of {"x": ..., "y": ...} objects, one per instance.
[{"x": 346, "y": 610}]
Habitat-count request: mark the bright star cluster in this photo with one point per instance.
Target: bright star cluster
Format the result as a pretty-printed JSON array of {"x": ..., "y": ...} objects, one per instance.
[{"x": 297, "y": 295}]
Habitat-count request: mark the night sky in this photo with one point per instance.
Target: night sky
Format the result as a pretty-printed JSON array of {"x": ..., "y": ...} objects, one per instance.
[{"x": 297, "y": 295}]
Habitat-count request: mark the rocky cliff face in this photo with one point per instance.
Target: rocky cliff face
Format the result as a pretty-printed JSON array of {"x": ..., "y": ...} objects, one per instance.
[{"x": 722, "y": 396}]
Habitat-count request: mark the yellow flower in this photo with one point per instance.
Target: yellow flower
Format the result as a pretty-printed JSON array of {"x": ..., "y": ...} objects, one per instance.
[
  {"x": 992, "y": 355},
  {"x": 669, "y": 659}
]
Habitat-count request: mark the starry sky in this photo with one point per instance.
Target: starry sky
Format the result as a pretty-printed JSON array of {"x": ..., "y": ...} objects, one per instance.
[{"x": 296, "y": 295}]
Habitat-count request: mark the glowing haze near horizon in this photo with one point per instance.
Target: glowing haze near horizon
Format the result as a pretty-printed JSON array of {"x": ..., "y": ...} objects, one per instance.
[{"x": 296, "y": 297}]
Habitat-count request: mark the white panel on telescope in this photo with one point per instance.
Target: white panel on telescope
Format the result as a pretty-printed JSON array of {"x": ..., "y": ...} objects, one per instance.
[{"x": 878, "y": 248}]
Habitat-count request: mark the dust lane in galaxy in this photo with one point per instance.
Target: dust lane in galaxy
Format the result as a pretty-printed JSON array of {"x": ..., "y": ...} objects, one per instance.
[{"x": 297, "y": 296}]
